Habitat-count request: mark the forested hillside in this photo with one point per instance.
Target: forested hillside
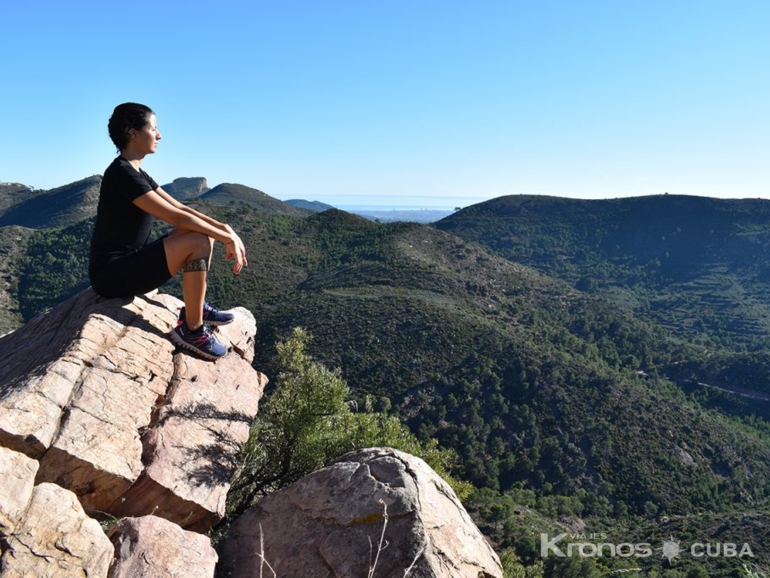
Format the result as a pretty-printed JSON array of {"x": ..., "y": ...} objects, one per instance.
[
  {"x": 696, "y": 265},
  {"x": 561, "y": 404}
]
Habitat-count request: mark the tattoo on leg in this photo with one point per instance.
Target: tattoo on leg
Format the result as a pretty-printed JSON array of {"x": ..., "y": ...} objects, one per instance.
[{"x": 195, "y": 265}]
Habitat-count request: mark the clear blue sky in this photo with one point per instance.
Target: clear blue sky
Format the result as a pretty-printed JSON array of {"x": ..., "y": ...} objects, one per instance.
[{"x": 420, "y": 102}]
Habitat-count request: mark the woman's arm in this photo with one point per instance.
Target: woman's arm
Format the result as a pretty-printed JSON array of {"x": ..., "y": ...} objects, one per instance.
[
  {"x": 163, "y": 206},
  {"x": 182, "y": 207}
]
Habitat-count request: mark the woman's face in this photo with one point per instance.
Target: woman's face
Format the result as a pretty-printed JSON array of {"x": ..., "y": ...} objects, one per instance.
[{"x": 145, "y": 140}]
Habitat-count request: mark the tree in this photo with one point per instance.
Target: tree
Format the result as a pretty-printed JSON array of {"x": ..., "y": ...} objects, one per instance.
[{"x": 306, "y": 422}]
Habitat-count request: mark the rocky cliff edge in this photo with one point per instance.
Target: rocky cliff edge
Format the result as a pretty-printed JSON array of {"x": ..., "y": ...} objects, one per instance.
[{"x": 100, "y": 418}]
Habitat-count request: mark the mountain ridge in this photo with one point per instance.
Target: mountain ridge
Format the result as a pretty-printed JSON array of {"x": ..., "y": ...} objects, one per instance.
[
  {"x": 644, "y": 251},
  {"x": 60, "y": 206}
]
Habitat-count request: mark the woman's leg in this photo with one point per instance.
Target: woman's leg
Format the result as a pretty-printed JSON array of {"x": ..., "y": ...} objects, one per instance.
[{"x": 190, "y": 252}]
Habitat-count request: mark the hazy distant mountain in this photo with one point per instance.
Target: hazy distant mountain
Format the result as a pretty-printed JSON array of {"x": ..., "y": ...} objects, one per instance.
[
  {"x": 404, "y": 215},
  {"x": 68, "y": 204},
  {"x": 315, "y": 206},
  {"x": 53, "y": 208},
  {"x": 384, "y": 215}
]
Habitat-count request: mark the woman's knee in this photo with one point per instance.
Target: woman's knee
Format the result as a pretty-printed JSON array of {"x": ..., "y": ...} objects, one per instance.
[
  {"x": 187, "y": 246},
  {"x": 196, "y": 244},
  {"x": 202, "y": 244}
]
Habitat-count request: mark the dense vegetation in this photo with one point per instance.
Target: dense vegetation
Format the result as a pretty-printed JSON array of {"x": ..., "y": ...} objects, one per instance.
[
  {"x": 698, "y": 266},
  {"x": 567, "y": 409}
]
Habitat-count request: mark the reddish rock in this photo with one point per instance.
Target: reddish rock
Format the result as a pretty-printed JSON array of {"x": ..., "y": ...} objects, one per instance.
[
  {"x": 97, "y": 392},
  {"x": 151, "y": 547},
  {"x": 56, "y": 538},
  {"x": 193, "y": 448},
  {"x": 17, "y": 473}
]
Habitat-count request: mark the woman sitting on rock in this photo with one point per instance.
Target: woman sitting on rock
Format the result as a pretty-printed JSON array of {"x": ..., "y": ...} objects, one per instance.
[{"x": 123, "y": 263}]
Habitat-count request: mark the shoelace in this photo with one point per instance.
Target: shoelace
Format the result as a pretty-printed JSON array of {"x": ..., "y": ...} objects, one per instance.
[
  {"x": 204, "y": 338},
  {"x": 209, "y": 310}
]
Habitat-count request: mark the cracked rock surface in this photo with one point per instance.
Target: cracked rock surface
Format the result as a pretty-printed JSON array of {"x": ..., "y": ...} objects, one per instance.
[
  {"x": 100, "y": 417},
  {"x": 56, "y": 538},
  {"x": 137, "y": 552},
  {"x": 329, "y": 524}
]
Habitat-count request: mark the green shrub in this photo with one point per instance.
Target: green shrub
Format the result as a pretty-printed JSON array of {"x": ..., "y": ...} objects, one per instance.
[{"x": 307, "y": 421}]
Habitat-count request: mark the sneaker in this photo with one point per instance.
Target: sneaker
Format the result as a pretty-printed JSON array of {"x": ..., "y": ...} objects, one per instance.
[
  {"x": 211, "y": 315},
  {"x": 201, "y": 341}
]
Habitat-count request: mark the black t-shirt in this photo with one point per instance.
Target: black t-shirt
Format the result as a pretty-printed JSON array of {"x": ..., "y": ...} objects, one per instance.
[{"x": 121, "y": 227}]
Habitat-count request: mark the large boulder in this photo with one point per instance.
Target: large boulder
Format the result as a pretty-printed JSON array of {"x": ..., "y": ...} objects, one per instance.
[
  {"x": 376, "y": 509},
  {"x": 192, "y": 449}
]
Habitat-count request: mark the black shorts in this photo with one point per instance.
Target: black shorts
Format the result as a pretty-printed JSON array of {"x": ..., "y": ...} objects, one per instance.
[{"x": 135, "y": 274}]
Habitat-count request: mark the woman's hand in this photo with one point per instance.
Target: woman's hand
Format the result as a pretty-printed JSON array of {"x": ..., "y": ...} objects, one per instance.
[{"x": 235, "y": 249}]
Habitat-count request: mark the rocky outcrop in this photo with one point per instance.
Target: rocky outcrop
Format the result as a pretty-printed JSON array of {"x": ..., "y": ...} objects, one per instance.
[
  {"x": 340, "y": 514},
  {"x": 187, "y": 188},
  {"x": 100, "y": 418}
]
